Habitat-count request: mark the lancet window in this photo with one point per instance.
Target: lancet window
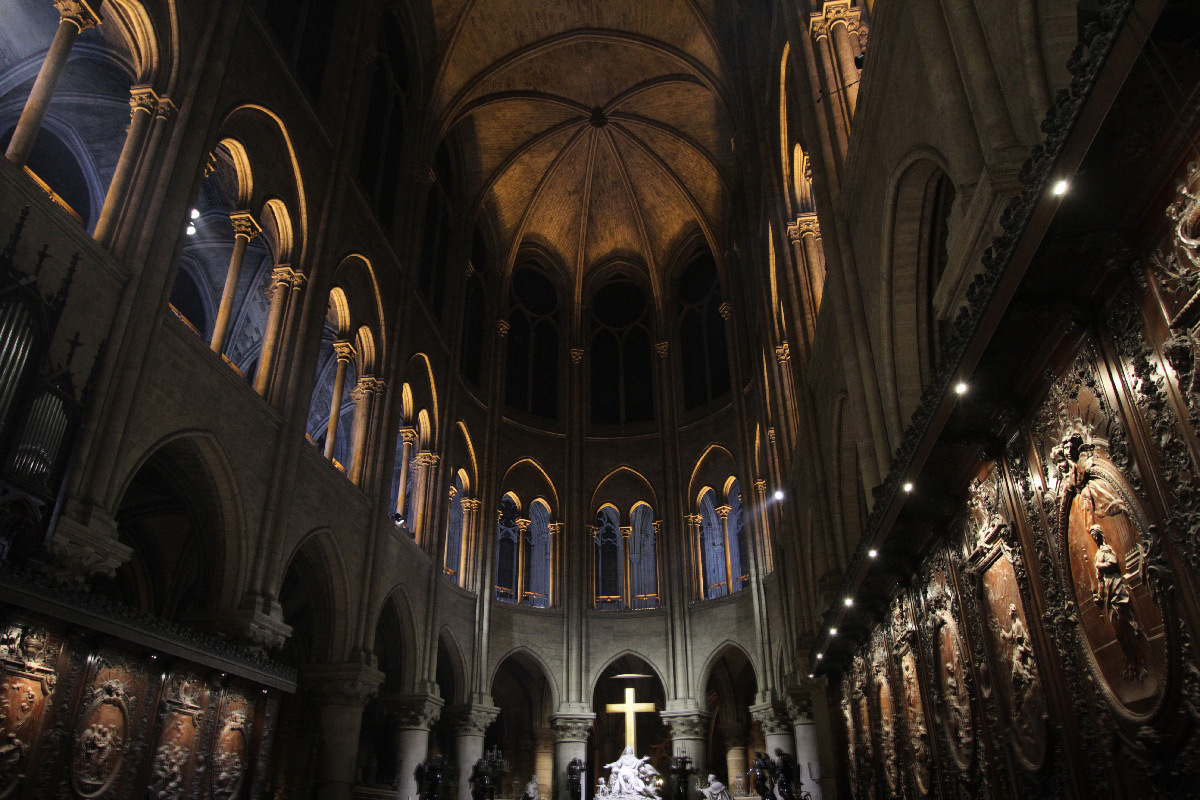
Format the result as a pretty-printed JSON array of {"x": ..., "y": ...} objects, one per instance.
[
  {"x": 622, "y": 373},
  {"x": 475, "y": 316},
  {"x": 721, "y": 539},
  {"x": 387, "y": 122},
  {"x": 703, "y": 350},
  {"x": 626, "y": 574},
  {"x": 531, "y": 383},
  {"x": 438, "y": 235},
  {"x": 452, "y": 565},
  {"x": 524, "y": 554},
  {"x": 303, "y": 28}
]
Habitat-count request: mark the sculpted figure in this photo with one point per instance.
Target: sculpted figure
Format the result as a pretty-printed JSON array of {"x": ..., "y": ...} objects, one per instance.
[
  {"x": 601, "y": 787},
  {"x": 531, "y": 789},
  {"x": 625, "y": 774},
  {"x": 715, "y": 790},
  {"x": 760, "y": 773},
  {"x": 1024, "y": 673},
  {"x": 575, "y": 771},
  {"x": 1113, "y": 598},
  {"x": 785, "y": 773}
]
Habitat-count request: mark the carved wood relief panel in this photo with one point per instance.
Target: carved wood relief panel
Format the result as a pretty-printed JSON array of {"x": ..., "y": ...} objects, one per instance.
[{"x": 80, "y": 719}]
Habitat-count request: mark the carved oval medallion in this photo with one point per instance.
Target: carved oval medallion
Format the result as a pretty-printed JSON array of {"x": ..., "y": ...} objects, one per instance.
[
  {"x": 229, "y": 763},
  {"x": 100, "y": 744},
  {"x": 1103, "y": 531},
  {"x": 887, "y": 734},
  {"x": 914, "y": 718},
  {"x": 957, "y": 716}
]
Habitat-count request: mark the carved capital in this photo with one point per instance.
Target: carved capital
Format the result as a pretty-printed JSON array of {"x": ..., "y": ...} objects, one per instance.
[
  {"x": 166, "y": 110},
  {"x": 818, "y": 28},
  {"x": 771, "y": 435},
  {"x": 800, "y": 707},
  {"x": 78, "y": 12},
  {"x": 257, "y": 622},
  {"x": 426, "y": 459},
  {"x": 556, "y": 528},
  {"x": 470, "y": 504},
  {"x": 783, "y": 352},
  {"x": 502, "y": 328},
  {"x": 409, "y": 435},
  {"x": 805, "y": 225},
  {"x": 726, "y": 311},
  {"x": 413, "y": 710},
  {"x": 349, "y": 684},
  {"x": 772, "y": 718},
  {"x": 576, "y": 355},
  {"x": 693, "y": 519},
  {"x": 662, "y": 348},
  {"x": 723, "y": 512},
  {"x": 344, "y": 350},
  {"x": 571, "y": 727},
  {"x": 760, "y": 486},
  {"x": 82, "y": 551},
  {"x": 472, "y": 719},
  {"x": 366, "y": 387},
  {"x": 245, "y": 225},
  {"x": 142, "y": 98},
  {"x": 686, "y": 724}
]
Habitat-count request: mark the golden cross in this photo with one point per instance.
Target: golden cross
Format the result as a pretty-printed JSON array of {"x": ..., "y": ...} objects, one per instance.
[{"x": 630, "y": 709}]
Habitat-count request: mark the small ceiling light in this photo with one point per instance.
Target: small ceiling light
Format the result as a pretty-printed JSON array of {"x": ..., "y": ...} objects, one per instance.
[
  {"x": 833, "y": 631},
  {"x": 960, "y": 388},
  {"x": 908, "y": 487},
  {"x": 849, "y": 601},
  {"x": 872, "y": 553},
  {"x": 779, "y": 494},
  {"x": 820, "y": 655},
  {"x": 195, "y": 214},
  {"x": 1060, "y": 187},
  {"x": 264, "y": 691},
  {"x": 811, "y": 675},
  {"x": 191, "y": 230},
  {"x": 398, "y": 519}
]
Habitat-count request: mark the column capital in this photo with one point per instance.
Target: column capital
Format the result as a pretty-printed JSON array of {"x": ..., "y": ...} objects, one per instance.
[
  {"x": 576, "y": 355},
  {"x": 471, "y": 504},
  {"x": 472, "y": 719},
  {"x": 524, "y": 524},
  {"x": 143, "y": 98},
  {"x": 79, "y": 12},
  {"x": 726, "y": 311},
  {"x": 367, "y": 386},
  {"x": 771, "y": 435},
  {"x": 693, "y": 519},
  {"x": 245, "y": 225},
  {"x": 344, "y": 350},
  {"x": 723, "y": 511},
  {"x": 686, "y": 724},
  {"x": 409, "y": 435},
  {"x": 347, "y": 684},
  {"x": 805, "y": 225},
  {"x": 502, "y": 328},
  {"x": 760, "y": 486},
  {"x": 572, "y": 727},
  {"x": 772, "y": 718},
  {"x": 426, "y": 459},
  {"x": 166, "y": 110},
  {"x": 662, "y": 348},
  {"x": 413, "y": 711},
  {"x": 818, "y": 28},
  {"x": 800, "y": 706},
  {"x": 783, "y": 352},
  {"x": 555, "y": 528}
]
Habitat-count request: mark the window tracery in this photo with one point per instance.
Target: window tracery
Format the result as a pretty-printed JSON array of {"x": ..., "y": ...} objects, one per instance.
[
  {"x": 531, "y": 383},
  {"x": 622, "y": 385},
  {"x": 703, "y": 350}
]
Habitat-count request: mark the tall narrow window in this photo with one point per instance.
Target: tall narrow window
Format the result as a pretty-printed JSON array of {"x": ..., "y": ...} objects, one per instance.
[
  {"x": 739, "y": 556},
  {"x": 940, "y": 201},
  {"x": 610, "y": 560},
  {"x": 703, "y": 350},
  {"x": 508, "y": 551},
  {"x": 437, "y": 235},
  {"x": 475, "y": 321},
  {"x": 303, "y": 28},
  {"x": 622, "y": 373},
  {"x": 454, "y": 534},
  {"x": 387, "y": 121},
  {"x": 531, "y": 383},
  {"x": 643, "y": 560},
  {"x": 712, "y": 548},
  {"x": 536, "y": 591}
]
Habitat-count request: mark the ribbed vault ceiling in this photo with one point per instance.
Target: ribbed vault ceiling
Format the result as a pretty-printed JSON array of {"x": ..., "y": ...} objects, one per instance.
[{"x": 597, "y": 130}]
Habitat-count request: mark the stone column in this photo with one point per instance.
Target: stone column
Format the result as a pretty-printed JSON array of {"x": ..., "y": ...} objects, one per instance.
[
  {"x": 414, "y": 715},
  {"x": 776, "y": 727},
  {"x": 844, "y": 21},
  {"x": 75, "y": 16},
  {"x": 543, "y": 761},
  {"x": 426, "y": 461},
  {"x": 344, "y": 351},
  {"x": 470, "y": 512},
  {"x": 723, "y": 513},
  {"x": 570, "y": 741},
  {"x": 808, "y": 759},
  {"x": 142, "y": 104},
  {"x": 692, "y": 524},
  {"x": 689, "y": 735},
  {"x": 409, "y": 438},
  {"x": 278, "y": 294},
  {"x": 245, "y": 228},
  {"x": 364, "y": 396},
  {"x": 735, "y": 758},
  {"x": 164, "y": 114},
  {"x": 470, "y": 723},
  {"x": 341, "y": 692}
]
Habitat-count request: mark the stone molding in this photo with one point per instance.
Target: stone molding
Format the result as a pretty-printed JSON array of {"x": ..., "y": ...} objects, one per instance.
[
  {"x": 686, "y": 724},
  {"x": 81, "y": 551},
  {"x": 78, "y": 12},
  {"x": 772, "y": 718},
  {"x": 572, "y": 727},
  {"x": 348, "y": 684},
  {"x": 413, "y": 711},
  {"x": 245, "y": 225},
  {"x": 472, "y": 719},
  {"x": 142, "y": 98}
]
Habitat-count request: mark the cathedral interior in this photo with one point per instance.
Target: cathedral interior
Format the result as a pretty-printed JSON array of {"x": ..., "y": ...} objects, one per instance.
[{"x": 390, "y": 387}]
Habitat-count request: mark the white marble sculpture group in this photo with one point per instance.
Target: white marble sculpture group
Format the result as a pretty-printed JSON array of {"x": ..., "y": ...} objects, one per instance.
[{"x": 630, "y": 778}]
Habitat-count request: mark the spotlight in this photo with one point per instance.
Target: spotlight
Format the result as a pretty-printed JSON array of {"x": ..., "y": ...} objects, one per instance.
[
  {"x": 833, "y": 631},
  {"x": 195, "y": 214},
  {"x": 191, "y": 230},
  {"x": 849, "y": 601},
  {"x": 960, "y": 388},
  {"x": 908, "y": 487},
  {"x": 811, "y": 675},
  {"x": 1060, "y": 187},
  {"x": 872, "y": 553},
  {"x": 779, "y": 494},
  {"x": 820, "y": 655}
]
